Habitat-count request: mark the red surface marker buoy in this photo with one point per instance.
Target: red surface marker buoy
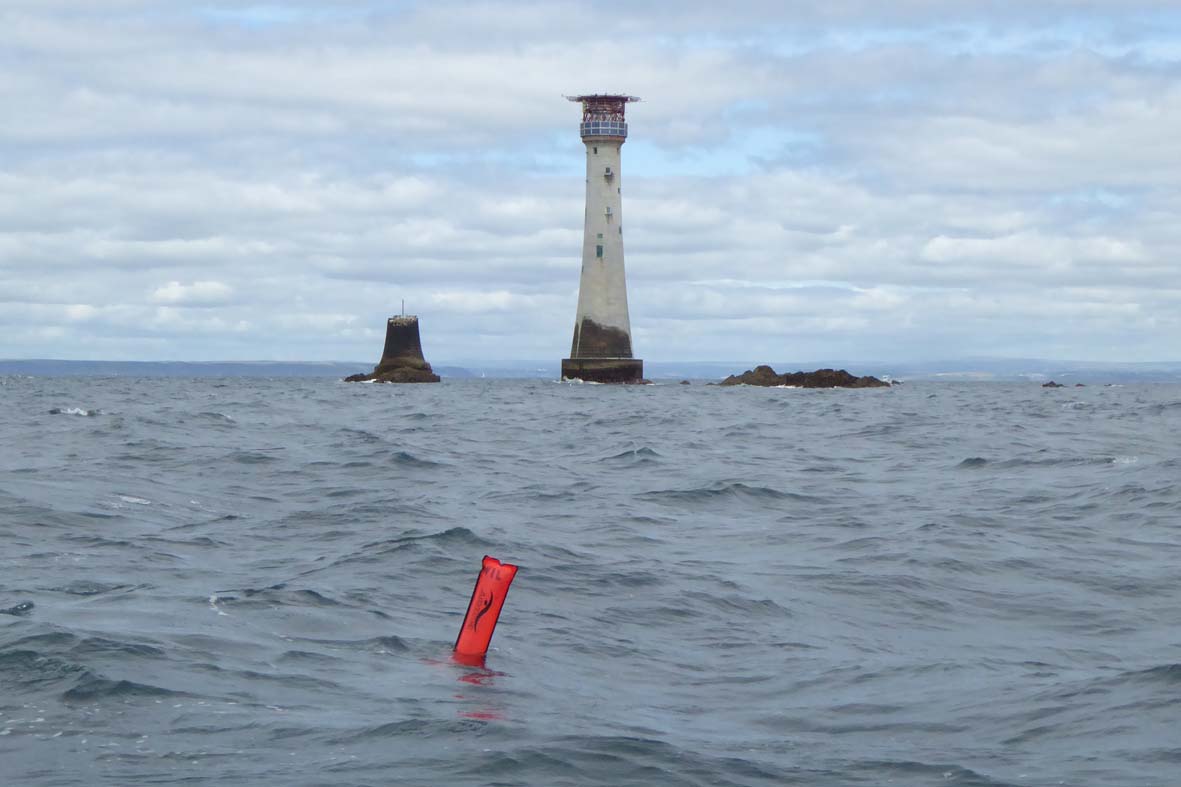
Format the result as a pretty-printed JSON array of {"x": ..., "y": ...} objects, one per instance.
[{"x": 484, "y": 609}]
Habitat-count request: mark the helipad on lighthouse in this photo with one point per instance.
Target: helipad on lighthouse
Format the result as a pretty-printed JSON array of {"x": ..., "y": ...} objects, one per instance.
[{"x": 601, "y": 350}]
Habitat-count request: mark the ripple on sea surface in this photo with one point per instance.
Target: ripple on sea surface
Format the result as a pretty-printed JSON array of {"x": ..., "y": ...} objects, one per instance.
[{"x": 260, "y": 582}]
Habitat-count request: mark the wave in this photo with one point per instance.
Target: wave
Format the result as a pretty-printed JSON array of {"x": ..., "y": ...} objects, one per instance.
[
  {"x": 913, "y": 772},
  {"x": 409, "y": 729},
  {"x": 407, "y": 459},
  {"x": 1053, "y": 461},
  {"x": 353, "y": 435},
  {"x": 40, "y": 662},
  {"x": 452, "y": 536},
  {"x": 253, "y": 457},
  {"x": 381, "y": 645},
  {"x": 91, "y": 688},
  {"x": 75, "y": 411},
  {"x": 24, "y": 669},
  {"x": 1059, "y": 461},
  {"x": 733, "y": 604},
  {"x": 83, "y": 587},
  {"x": 21, "y": 609},
  {"x": 273, "y": 595},
  {"x": 633, "y": 456},
  {"x": 1162, "y": 408},
  {"x": 626, "y": 761},
  {"x": 1161, "y": 675},
  {"x": 723, "y": 490}
]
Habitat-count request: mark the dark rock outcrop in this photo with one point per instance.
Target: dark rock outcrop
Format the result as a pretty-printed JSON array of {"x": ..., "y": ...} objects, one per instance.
[
  {"x": 401, "y": 360},
  {"x": 1052, "y": 384},
  {"x": 399, "y": 374},
  {"x": 821, "y": 378}
]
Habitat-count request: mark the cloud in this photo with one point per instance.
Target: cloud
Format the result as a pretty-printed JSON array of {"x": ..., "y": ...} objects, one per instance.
[
  {"x": 849, "y": 179},
  {"x": 199, "y": 293}
]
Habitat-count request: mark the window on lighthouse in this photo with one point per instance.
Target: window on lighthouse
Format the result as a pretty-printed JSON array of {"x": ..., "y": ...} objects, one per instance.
[{"x": 599, "y": 252}]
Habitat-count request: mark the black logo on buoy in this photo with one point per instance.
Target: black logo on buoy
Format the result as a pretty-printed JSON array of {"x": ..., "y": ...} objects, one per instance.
[{"x": 480, "y": 614}]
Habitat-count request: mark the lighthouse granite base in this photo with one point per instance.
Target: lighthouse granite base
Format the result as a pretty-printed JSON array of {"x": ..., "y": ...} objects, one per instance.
[{"x": 604, "y": 370}]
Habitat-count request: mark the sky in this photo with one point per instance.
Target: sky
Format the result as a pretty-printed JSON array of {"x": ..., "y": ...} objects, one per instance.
[{"x": 857, "y": 179}]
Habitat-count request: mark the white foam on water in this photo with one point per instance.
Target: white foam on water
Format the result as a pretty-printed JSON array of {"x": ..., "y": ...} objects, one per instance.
[{"x": 139, "y": 501}]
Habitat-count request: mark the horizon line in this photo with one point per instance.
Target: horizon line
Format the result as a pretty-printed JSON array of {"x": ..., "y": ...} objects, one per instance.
[{"x": 465, "y": 361}]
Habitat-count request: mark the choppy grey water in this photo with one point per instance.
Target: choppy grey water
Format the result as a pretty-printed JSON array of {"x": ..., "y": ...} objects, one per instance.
[{"x": 259, "y": 582}]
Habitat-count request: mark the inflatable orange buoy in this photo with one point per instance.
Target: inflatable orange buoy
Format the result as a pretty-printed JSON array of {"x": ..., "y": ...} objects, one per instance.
[{"x": 484, "y": 609}]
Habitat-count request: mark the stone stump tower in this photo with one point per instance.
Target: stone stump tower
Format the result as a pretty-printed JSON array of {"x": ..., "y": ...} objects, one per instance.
[{"x": 401, "y": 358}]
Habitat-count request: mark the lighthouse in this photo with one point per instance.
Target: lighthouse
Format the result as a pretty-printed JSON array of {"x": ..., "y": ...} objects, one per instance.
[{"x": 601, "y": 350}]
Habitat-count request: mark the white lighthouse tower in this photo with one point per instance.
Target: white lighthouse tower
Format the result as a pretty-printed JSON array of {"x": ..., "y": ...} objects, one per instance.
[{"x": 602, "y": 346}]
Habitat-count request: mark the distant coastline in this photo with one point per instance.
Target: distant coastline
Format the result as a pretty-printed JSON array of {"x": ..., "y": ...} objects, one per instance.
[{"x": 970, "y": 370}]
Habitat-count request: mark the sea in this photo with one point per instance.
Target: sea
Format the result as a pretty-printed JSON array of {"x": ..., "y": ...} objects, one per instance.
[{"x": 257, "y": 581}]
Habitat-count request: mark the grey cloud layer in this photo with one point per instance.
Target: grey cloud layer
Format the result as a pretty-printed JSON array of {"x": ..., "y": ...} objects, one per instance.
[{"x": 900, "y": 180}]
